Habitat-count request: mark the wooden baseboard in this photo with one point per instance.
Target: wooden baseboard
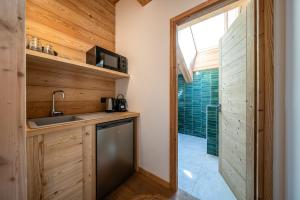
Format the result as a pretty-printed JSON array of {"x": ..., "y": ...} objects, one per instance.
[{"x": 154, "y": 178}]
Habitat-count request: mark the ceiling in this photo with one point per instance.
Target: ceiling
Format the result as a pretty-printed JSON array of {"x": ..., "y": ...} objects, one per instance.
[{"x": 142, "y": 2}]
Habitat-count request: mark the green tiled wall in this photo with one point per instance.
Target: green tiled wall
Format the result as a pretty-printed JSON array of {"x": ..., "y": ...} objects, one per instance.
[
  {"x": 193, "y": 100},
  {"x": 212, "y": 130}
]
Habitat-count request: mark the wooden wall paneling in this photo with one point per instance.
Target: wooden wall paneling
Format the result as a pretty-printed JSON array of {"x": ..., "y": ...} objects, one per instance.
[
  {"x": 40, "y": 109},
  {"x": 64, "y": 52},
  {"x": 46, "y": 77},
  {"x": 38, "y": 13},
  {"x": 73, "y": 27},
  {"x": 100, "y": 13},
  {"x": 89, "y": 162},
  {"x": 207, "y": 59},
  {"x": 82, "y": 92},
  {"x": 58, "y": 37},
  {"x": 107, "y": 5},
  {"x": 12, "y": 101},
  {"x": 81, "y": 14}
]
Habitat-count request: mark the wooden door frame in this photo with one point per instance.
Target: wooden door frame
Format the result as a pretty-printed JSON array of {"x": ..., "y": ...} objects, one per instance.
[{"x": 264, "y": 97}]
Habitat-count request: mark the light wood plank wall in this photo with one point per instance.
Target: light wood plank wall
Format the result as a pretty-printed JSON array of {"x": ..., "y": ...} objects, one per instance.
[
  {"x": 72, "y": 27},
  {"x": 207, "y": 59},
  {"x": 12, "y": 100},
  {"x": 233, "y": 97},
  {"x": 82, "y": 92}
]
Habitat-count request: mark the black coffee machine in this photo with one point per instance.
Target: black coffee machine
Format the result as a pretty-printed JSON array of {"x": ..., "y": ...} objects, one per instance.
[{"x": 120, "y": 103}]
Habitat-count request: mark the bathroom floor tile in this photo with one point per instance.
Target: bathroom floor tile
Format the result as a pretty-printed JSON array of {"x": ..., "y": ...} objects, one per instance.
[{"x": 198, "y": 172}]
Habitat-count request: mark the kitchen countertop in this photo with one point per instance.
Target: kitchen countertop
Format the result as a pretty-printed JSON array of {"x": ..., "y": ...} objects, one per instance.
[{"x": 87, "y": 119}]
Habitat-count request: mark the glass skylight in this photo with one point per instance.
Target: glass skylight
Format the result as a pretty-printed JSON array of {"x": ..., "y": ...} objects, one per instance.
[
  {"x": 187, "y": 46},
  {"x": 232, "y": 15},
  {"x": 208, "y": 32},
  {"x": 200, "y": 42}
]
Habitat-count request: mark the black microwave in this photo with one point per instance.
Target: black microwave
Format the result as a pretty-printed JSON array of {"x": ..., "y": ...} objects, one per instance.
[{"x": 103, "y": 58}]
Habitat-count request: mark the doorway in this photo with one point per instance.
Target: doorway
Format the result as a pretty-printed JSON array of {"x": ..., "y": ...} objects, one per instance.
[
  {"x": 242, "y": 163},
  {"x": 203, "y": 47}
]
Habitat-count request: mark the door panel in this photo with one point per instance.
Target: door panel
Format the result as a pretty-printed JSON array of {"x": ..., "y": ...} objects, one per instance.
[{"x": 237, "y": 98}]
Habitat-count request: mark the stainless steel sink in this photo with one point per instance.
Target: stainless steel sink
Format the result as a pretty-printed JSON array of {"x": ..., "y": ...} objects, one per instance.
[{"x": 38, "y": 122}]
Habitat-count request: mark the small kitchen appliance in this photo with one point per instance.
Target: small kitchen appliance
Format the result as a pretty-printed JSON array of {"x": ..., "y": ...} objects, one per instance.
[
  {"x": 114, "y": 155},
  {"x": 110, "y": 104},
  {"x": 121, "y": 103},
  {"x": 106, "y": 59}
]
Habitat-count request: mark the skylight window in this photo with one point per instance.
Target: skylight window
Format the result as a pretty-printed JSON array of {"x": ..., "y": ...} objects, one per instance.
[
  {"x": 232, "y": 15},
  {"x": 208, "y": 32},
  {"x": 198, "y": 40},
  {"x": 187, "y": 46}
]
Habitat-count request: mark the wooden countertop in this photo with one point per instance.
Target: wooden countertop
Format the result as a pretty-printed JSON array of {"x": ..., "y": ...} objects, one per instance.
[{"x": 87, "y": 119}]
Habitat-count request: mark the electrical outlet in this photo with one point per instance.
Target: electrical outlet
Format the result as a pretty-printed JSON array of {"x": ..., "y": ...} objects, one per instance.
[{"x": 103, "y": 99}]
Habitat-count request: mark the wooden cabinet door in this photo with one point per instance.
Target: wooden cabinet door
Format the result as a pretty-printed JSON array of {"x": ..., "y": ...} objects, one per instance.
[
  {"x": 61, "y": 165},
  {"x": 237, "y": 78}
]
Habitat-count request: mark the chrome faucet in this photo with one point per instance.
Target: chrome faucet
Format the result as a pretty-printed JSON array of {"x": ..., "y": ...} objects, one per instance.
[{"x": 53, "y": 112}]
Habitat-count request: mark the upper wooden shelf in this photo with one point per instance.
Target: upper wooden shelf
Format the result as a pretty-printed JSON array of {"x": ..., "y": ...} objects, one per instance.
[{"x": 57, "y": 63}]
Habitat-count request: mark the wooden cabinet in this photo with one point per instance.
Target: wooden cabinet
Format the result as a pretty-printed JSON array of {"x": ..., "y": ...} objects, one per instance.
[{"x": 61, "y": 164}]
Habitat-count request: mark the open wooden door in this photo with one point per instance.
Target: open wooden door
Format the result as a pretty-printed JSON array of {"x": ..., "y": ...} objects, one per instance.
[{"x": 237, "y": 98}]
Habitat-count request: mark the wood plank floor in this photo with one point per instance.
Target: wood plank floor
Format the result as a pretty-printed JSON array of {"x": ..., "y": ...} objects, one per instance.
[{"x": 139, "y": 185}]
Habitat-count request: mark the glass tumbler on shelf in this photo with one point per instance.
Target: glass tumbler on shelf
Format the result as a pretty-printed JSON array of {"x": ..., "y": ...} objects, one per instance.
[
  {"x": 48, "y": 49},
  {"x": 35, "y": 44}
]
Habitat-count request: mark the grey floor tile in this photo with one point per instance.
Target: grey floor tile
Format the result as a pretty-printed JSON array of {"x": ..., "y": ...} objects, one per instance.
[{"x": 198, "y": 172}]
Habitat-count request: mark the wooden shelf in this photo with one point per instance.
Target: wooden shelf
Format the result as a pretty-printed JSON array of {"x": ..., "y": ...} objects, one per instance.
[{"x": 50, "y": 62}]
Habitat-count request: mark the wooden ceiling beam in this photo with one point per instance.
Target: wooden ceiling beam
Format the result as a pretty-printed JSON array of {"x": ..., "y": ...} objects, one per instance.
[
  {"x": 144, "y": 2},
  {"x": 113, "y": 1}
]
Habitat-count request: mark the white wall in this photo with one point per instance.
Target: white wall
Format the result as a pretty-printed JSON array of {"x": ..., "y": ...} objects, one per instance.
[
  {"x": 293, "y": 99},
  {"x": 143, "y": 36}
]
